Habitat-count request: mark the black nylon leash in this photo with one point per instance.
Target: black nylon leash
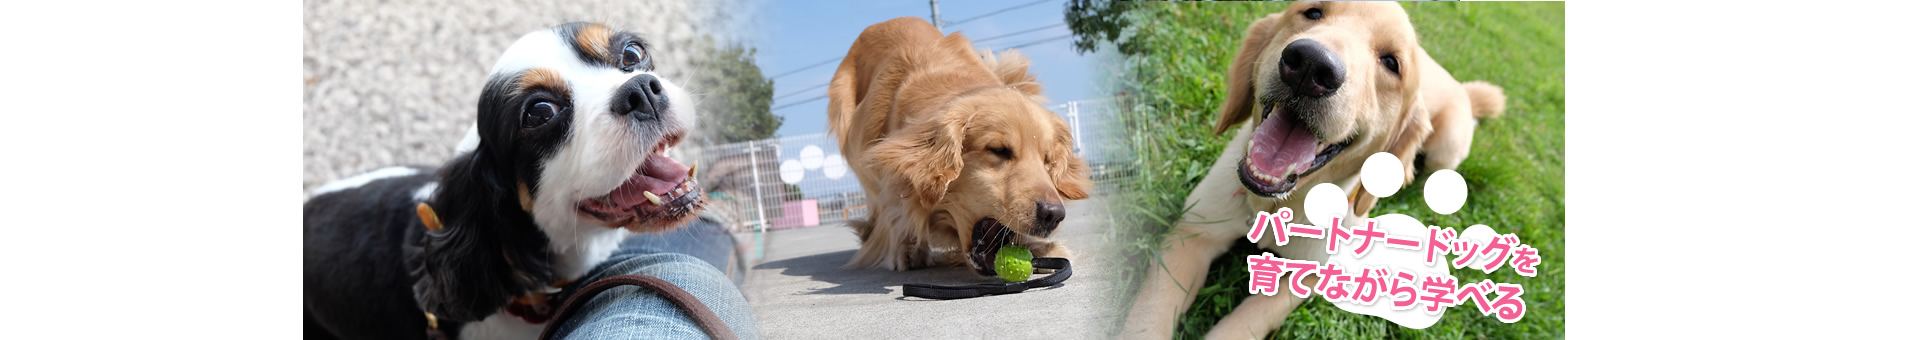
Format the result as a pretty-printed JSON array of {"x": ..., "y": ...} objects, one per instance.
[{"x": 1062, "y": 271}]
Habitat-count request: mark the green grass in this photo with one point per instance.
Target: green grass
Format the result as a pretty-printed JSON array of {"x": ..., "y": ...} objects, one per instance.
[{"x": 1515, "y": 174}]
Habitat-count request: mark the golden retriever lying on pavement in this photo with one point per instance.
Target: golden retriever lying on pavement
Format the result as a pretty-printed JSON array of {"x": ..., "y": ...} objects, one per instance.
[
  {"x": 1333, "y": 82},
  {"x": 952, "y": 147}
]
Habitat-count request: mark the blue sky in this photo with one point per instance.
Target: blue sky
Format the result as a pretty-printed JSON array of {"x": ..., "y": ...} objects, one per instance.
[
  {"x": 803, "y": 33},
  {"x": 799, "y": 34}
]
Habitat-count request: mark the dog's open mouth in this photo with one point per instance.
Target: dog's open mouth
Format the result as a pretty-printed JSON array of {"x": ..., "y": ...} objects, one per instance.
[
  {"x": 988, "y": 236},
  {"x": 1283, "y": 150},
  {"x": 661, "y": 188}
]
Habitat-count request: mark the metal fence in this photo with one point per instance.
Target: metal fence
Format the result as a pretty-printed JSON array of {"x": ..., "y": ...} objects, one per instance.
[{"x": 803, "y": 181}]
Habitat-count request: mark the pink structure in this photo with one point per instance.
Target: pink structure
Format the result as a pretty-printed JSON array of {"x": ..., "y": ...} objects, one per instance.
[{"x": 795, "y": 214}]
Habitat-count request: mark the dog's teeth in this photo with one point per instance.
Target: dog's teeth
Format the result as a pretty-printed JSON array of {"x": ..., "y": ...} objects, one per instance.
[
  {"x": 606, "y": 200},
  {"x": 651, "y": 197}
]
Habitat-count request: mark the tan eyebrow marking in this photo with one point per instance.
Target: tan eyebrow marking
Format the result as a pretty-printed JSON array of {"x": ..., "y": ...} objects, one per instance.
[
  {"x": 593, "y": 40},
  {"x": 542, "y": 78}
]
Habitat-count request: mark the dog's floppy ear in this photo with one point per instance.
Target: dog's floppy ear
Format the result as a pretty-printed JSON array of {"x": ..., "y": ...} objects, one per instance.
[
  {"x": 1067, "y": 171},
  {"x": 1240, "y": 76},
  {"x": 1411, "y": 131},
  {"x": 1011, "y": 67},
  {"x": 487, "y": 249},
  {"x": 926, "y": 156}
]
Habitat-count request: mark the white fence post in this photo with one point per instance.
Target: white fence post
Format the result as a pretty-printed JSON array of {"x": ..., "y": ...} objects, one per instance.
[
  {"x": 760, "y": 209},
  {"x": 1073, "y": 118}
]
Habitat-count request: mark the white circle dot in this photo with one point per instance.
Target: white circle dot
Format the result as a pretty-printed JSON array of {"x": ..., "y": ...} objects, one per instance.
[
  {"x": 834, "y": 166},
  {"x": 791, "y": 172},
  {"x": 1446, "y": 191},
  {"x": 1382, "y": 174},
  {"x": 1324, "y": 202},
  {"x": 810, "y": 157}
]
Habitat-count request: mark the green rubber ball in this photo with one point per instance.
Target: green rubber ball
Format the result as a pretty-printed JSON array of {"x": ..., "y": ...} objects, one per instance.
[{"x": 1014, "y": 263}]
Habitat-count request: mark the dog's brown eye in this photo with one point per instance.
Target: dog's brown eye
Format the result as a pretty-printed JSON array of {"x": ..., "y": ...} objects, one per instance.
[
  {"x": 1003, "y": 152},
  {"x": 631, "y": 57},
  {"x": 1313, "y": 14},
  {"x": 538, "y": 114},
  {"x": 1392, "y": 63}
]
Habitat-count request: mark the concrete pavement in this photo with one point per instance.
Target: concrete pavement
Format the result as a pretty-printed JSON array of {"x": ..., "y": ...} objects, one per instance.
[{"x": 800, "y": 291}]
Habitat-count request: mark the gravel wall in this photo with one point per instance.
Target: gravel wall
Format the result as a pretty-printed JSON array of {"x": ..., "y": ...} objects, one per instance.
[{"x": 395, "y": 82}]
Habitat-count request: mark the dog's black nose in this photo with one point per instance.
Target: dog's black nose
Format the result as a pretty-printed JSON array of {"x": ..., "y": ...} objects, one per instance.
[
  {"x": 1311, "y": 68},
  {"x": 642, "y": 97},
  {"x": 1047, "y": 216}
]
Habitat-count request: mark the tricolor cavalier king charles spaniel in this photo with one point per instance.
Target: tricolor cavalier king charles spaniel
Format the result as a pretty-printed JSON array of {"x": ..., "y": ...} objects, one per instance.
[{"x": 567, "y": 157}]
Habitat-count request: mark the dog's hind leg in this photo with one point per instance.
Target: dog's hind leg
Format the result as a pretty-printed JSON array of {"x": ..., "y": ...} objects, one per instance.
[{"x": 1259, "y": 315}]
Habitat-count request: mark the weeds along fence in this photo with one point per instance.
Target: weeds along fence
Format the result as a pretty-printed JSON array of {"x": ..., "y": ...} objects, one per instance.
[{"x": 803, "y": 181}]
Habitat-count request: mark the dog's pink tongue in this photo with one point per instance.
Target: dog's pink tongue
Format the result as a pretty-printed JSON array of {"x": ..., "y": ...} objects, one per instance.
[
  {"x": 658, "y": 176},
  {"x": 1277, "y": 143}
]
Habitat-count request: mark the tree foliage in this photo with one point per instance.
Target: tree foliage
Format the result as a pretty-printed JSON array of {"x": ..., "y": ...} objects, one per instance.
[
  {"x": 736, "y": 99},
  {"x": 1093, "y": 21}
]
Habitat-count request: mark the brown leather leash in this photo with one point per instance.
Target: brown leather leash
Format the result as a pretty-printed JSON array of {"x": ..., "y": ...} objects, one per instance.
[{"x": 702, "y": 316}]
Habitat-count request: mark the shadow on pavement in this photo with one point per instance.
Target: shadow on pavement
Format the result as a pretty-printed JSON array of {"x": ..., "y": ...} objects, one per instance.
[{"x": 826, "y": 267}]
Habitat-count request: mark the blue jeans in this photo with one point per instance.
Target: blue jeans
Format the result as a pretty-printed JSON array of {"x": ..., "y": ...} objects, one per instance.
[{"x": 688, "y": 258}]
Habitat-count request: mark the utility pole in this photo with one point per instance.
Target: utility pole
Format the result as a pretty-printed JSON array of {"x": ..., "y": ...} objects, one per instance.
[{"x": 936, "y": 15}]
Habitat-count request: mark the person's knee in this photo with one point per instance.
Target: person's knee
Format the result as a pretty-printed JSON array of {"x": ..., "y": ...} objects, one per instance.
[{"x": 627, "y": 312}]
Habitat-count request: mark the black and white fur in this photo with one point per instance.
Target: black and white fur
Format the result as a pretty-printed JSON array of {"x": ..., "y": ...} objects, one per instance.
[{"x": 371, "y": 266}]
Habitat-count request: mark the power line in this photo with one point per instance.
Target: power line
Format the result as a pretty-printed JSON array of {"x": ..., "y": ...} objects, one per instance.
[
  {"x": 962, "y": 21},
  {"x": 822, "y": 62},
  {"x": 790, "y": 94},
  {"x": 809, "y": 100},
  {"x": 1036, "y": 29},
  {"x": 948, "y": 24},
  {"x": 1037, "y": 42},
  {"x": 816, "y": 87}
]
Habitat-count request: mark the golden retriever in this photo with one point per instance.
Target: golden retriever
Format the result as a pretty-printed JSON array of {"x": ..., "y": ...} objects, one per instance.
[
  {"x": 1333, "y": 82},
  {"x": 952, "y": 147}
]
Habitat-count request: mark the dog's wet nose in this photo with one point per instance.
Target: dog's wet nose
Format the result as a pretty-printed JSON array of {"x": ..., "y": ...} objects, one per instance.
[
  {"x": 1311, "y": 68},
  {"x": 642, "y": 97},
  {"x": 1047, "y": 216}
]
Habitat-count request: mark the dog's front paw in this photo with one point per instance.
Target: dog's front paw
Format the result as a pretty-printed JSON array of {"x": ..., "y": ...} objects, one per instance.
[{"x": 1047, "y": 249}]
